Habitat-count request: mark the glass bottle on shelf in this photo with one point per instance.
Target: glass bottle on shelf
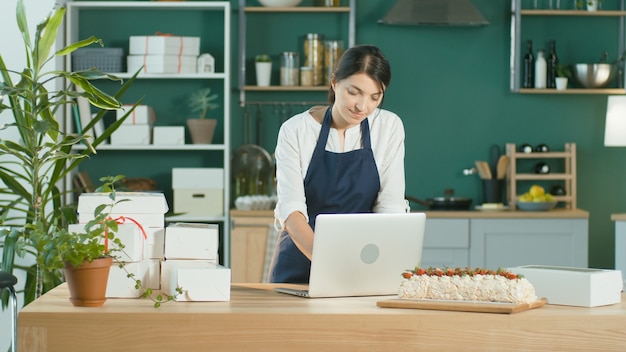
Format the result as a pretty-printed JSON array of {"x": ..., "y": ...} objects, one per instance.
[
  {"x": 552, "y": 61},
  {"x": 529, "y": 66},
  {"x": 540, "y": 70},
  {"x": 289, "y": 69},
  {"x": 314, "y": 56}
]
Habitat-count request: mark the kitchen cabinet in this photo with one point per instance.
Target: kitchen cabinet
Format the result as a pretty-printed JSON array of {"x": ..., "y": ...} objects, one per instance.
[
  {"x": 518, "y": 14},
  {"x": 446, "y": 243},
  {"x": 114, "y": 22},
  {"x": 251, "y": 232},
  {"x": 620, "y": 243},
  {"x": 566, "y": 174},
  {"x": 513, "y": 242},
  {"x": 265, "y": 44}
]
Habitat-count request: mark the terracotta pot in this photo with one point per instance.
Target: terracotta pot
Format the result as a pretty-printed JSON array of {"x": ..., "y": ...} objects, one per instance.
[
  {"x": 201, "y": 130},
  {"x": 88, "y": 282}
]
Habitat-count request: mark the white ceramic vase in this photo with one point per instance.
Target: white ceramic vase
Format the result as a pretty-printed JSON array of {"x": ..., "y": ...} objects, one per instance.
[
  {"x": 263, "y": 73},
  {"x": 561, "y": 83},
  {"x": 592, "y": 5}
]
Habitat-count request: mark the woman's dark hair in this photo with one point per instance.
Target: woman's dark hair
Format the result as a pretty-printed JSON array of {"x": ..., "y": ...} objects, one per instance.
[{"x": 366, "y": 59}]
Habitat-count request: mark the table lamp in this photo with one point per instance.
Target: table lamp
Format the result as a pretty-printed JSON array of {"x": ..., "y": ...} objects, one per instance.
[{"x": 615, "y": 128}]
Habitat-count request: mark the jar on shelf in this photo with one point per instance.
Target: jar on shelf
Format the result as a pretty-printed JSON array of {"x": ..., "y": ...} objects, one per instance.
[
  {"x": 306, "y": 76},
  {"x": 314, "y": 56},
  {"x": 289, "y": 68},
  {"x": 333, "y": 49}
]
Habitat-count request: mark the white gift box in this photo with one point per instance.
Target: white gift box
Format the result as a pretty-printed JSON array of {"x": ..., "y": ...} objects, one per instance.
[
  {"x": 120, "y": 285},
  {"x": 168, "y": 135},
  {"x": 191, "y": 241},
  {"x": 141, "y": 115},
  {"x": 162, "y": 64},
  {"x": 147, "y": 208},
  {"x": 132, "y": 135},
  {"x": 129, "y": 234},
  {"x": 200, "y": 280},
  {"x": 568, "y": 286},
  {"x": 155, "y": 244},
  {"x": 164, "y": 45},
  {"x": 153, "y": 274},
  {"x": 198, "y": 191}
]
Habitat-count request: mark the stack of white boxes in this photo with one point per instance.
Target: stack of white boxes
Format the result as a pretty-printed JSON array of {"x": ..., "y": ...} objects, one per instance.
[
  {"x": 198, "y": 191},
  {"x": 137, "y": 128},
  {"x": 163, "y": 54},
  {"x": 141, "y": 229},
  {"x": 191, "y": 262}
]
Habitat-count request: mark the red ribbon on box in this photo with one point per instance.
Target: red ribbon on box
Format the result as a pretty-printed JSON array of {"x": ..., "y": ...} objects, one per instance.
[
  {"x": 120, "y": 221},
  {"x": 180, "y": 51}
]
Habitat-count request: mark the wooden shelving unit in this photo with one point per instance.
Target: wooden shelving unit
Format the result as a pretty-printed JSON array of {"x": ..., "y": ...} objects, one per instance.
[{"x": 568, "y": 176}]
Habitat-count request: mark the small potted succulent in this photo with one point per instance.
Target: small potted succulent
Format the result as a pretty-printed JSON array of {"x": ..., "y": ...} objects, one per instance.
[
  {"x": 563, "y": 73},
  {"x": 263, "y": 66},
  {"x": 202, "y": 129}
]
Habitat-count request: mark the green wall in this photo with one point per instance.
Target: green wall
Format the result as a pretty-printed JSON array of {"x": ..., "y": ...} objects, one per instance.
[{"x": 450, "y": 85}]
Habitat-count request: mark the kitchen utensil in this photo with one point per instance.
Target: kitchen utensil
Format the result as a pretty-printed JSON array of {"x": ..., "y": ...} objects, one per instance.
[
  {"x": 447, "y": 202},
  {"x": 483, "y": 169},
  {"x": 462, "y": 306},
  {"x": 593, "y": 75},
  {"x": 502, "y": 167},
  {"x": 494, "y": 155}
]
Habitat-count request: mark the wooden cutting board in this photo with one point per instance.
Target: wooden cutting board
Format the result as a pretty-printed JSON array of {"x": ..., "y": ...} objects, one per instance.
[{"x": 461, "y": 306}]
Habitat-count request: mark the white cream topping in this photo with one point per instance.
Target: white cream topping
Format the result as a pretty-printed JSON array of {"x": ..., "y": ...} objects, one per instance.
[{"x": 489, "y": 288}]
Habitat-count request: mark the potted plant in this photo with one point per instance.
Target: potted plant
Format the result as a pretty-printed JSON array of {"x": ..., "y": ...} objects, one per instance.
[
  {"x": 592, "y": 5},
  {"x": 263, "y": 66},
  {"x": 36, "y": 164},
  {"x": 563, "y": 73},
  {"x": 201, "y": 128}
]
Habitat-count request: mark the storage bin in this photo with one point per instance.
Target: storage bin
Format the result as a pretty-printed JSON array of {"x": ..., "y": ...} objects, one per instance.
[{"x": 103, "y": 59}]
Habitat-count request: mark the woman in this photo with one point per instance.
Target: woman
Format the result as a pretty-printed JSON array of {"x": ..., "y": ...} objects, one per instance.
[{"x": 344, "y": 158}]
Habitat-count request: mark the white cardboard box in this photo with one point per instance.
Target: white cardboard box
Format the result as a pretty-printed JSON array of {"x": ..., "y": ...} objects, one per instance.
[
  {"x": 120, "y": 285},
  {"x": 197, "y": 177},
  {"x": 162, "y": 64},
  {"x": 146, "y": 208},
  {"x": 155, "y": 244},
  {"x": 164, "y": 45},
  {"x": 141, "y": 115},
  {"x": 200, "y": 280},
  {"x": 132, "y": 135},
  {"x": 199, "y": 201},
  {"x": 191, "y": 241},
  {"x": 168, "y": 135},
  {"x": 568, "y": 286},
  {"x": 129, "y": 234}
]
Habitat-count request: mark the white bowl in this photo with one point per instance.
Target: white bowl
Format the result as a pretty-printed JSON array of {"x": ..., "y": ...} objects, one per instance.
[
  {"x": 536, "y": 206},
  {"x": 280, "y": 3}
]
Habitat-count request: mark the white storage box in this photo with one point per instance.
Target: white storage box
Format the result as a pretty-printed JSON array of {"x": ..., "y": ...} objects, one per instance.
[
  {"x": 191, "y": 241},
  {"x": 120, "y": 285},
  {"x": 574, "y": 286},
  {"x": 155, "y": 244},
  {"x": 199, "y": 280},
  {"x": 164, "y": 45},
  {"x": 141, "y": 115},
  {"x": 199, "y": 201},
  {"x": 132, "y": 135},
  {"x": 198, "y": 191},
  {"x": 168, "y": 135},
  {"x": 162, "y": 64},
  {"x": 148, "y": 209}
]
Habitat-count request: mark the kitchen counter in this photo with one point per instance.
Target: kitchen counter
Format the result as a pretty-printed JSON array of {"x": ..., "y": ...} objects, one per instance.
[
  {"x": 258, "y": 319},
  {"x": 471, "y": 214}
]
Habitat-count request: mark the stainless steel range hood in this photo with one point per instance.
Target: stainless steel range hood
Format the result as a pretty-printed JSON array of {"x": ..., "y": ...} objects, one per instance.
[{"x": 434, "y": 13}]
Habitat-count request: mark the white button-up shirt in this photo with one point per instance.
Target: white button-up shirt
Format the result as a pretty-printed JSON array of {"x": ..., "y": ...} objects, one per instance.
[{"x": 297, "y": 138}]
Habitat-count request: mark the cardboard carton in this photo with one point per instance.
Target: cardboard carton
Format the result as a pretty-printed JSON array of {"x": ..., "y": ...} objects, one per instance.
[
  {"x": 191, "y": 241},
  {"x": 199, "y": 280}
]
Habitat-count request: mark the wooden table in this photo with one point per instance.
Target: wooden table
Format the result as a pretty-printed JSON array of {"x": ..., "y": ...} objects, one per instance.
[{"x": 258, "y": 319}]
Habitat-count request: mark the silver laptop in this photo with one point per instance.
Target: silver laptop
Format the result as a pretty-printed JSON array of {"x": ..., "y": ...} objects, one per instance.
[{"x": 362, "y": 254}]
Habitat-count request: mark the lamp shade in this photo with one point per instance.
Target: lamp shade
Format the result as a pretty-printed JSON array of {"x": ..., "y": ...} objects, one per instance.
[{"x": 615, "y": 128}]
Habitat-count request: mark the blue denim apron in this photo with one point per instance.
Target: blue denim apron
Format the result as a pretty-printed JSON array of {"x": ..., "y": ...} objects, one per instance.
[{"x": 334, "y": 183}]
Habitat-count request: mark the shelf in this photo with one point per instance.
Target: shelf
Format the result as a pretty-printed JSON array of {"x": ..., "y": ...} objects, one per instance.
[
  {"x": 605, "y": 91},
  {"x": 172, "y": 75},
  {"x": 287, "y": 88},
  {"x": 542, "y": 177},
  {"x": 295, "y": 9},
  {"x": 156, "y": 147},
  {"x": 192, "y": 218},
  {"x": 572, "y": 13}
]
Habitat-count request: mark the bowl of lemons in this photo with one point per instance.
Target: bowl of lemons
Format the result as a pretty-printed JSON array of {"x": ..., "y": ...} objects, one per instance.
[{"x": 536, "y": 199}]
